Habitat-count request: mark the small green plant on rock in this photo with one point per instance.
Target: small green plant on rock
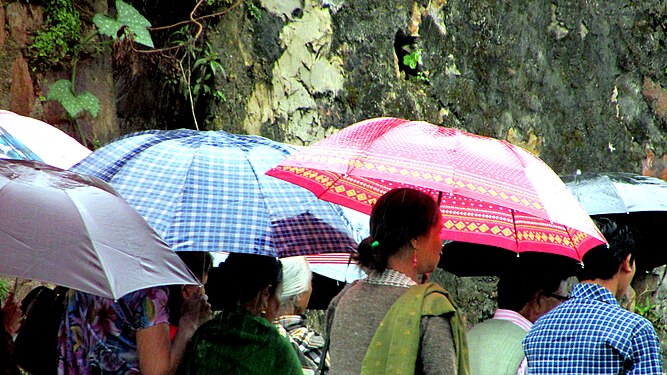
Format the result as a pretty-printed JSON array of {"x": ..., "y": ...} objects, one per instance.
[
  {"x": 413, "y": 59},
  {"x": 255, "y": 12},
  {"x": 57, "y": 42},
  {"x": 199, "y": 67},
  {"x": 134, "y": 26},
  {"x": 649, "y": 310},
  {"x": 206, "y": 68},
  {"x": 421, "y": 76}
]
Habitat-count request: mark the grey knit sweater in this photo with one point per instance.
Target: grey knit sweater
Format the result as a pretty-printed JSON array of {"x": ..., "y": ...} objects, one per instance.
[{"x": 354, "y": 315}]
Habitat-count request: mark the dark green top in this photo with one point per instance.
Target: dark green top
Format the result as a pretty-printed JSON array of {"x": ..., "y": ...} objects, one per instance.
[{"x": 237, "y": 342}]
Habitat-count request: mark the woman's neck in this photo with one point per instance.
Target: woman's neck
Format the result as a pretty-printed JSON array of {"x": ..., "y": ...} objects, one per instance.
[
  {"x": 396, "y": 263},
  {"x": 253, "y": 306}
]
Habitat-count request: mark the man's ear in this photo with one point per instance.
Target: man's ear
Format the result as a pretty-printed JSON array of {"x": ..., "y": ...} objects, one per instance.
[
  {"x": 533, "y": 307},
  {"x": 627, "y": 264},
  {"x": 536, "y": 301}
]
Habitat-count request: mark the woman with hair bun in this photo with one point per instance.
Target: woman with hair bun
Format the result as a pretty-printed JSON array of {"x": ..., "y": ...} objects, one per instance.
[{"x": 389, "y": 322}]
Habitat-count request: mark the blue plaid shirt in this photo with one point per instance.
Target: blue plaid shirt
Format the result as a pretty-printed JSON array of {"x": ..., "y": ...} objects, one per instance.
[{"x": 592, "y": 334}]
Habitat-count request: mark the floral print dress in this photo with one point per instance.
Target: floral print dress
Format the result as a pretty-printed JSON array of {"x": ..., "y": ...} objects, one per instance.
[{"x": 98, "y": 335}]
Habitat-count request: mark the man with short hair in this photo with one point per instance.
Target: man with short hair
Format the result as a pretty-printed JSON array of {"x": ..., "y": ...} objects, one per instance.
[
  {"x": 494, "y": 346},
  {"x": 591, "y": 333}
]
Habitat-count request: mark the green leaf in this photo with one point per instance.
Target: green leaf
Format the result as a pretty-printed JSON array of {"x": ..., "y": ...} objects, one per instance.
[
  {"x": 89, "y": 102},
  {"x": 107, "y": 25},
  {"x": 136, "y": 23},
  {"x": 413, "y": 58},
  {"x": 199, "y": 62},
  {"x": 218, "y": 94},
  {"x": 61, "y": 91}
]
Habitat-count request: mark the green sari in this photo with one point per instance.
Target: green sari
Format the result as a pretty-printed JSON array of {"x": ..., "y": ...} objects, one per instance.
[{"x": 237, "y": 342}]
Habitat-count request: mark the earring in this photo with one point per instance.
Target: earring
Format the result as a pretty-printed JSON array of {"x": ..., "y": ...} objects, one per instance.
[
  {"x": 414, "y": 258},
  {"x": 263, "y": 313}
]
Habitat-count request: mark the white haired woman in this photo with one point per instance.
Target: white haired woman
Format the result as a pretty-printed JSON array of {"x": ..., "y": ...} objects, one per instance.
[{"x": 297, "y": 288}]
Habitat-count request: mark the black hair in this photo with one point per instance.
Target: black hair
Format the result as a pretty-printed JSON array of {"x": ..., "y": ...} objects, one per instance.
[
  {"x": 517, "y": 289},
  {"x": 199, "y": 262},
  {"x": 602, "y": 262},
  {"x": 399, "y": 216},
  {"x": 241, "y": 278}
]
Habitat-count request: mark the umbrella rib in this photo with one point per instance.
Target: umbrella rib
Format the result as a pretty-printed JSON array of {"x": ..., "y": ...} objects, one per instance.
[
  {"x": 174, "y": 211},
  {"x": 259, "y": 186},
  {"x": 365, "y": 151},
  {"x": 92, "y": 244},
  {"x": 516, "y": 233},
  {"x": 576, "y": 248}
]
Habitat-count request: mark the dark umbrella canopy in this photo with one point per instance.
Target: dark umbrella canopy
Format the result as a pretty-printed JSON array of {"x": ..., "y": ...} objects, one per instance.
[
  {"x": 629, "y": 199},
  {"x": 305, "y": 233},
  {"x": 466, "y": 259}
]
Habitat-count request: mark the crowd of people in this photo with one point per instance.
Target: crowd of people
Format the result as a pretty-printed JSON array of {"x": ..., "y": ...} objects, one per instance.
[{"x": 394, "y": 321}]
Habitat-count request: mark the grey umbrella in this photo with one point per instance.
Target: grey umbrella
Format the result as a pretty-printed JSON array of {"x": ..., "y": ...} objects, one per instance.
[
  {"x": 75, "y": 230},
  {"x": 617, "y": 192},
  {"x": 626, "y": 198}
]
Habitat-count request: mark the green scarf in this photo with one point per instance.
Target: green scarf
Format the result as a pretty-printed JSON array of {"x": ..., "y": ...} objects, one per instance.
[
  {"x": 395, "y": 344},
  {"x": 237, "y": 342}
]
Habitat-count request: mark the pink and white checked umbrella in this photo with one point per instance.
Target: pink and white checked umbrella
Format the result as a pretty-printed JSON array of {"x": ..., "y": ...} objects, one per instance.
[{"x": 490, "y": 191}]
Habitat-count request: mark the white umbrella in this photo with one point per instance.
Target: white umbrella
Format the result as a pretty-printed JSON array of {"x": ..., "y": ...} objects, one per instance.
[
  {"x": 50, "y": 144},
  {"x": 75, "y": 230}
]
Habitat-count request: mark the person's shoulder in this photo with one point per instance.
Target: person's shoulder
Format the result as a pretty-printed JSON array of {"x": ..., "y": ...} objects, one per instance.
[
  {"x": 157, "y": 292},
  {"x": 336, "y": 300},
  {"x": 281, "y": 344},
  {"x": 360, "y": 292},
  {"x": 492, "y": 323},
  {"x": 635, "y": 321},
  {"x": 621, "y": 316},
  {"x": 285, "y": 355}
]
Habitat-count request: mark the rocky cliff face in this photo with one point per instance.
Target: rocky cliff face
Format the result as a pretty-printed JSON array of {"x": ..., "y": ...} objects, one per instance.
[{"x": 581, "y": 84}]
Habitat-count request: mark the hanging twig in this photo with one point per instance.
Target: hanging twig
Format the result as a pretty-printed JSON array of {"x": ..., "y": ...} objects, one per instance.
[
  {"x": 198, "y": 18},
  {"x": 192, "y": 19},
  {"x": 186, "y": 78}
]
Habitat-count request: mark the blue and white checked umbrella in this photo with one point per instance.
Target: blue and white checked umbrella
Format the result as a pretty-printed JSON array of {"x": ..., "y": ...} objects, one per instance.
[{"x": 207, "y": 191}]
